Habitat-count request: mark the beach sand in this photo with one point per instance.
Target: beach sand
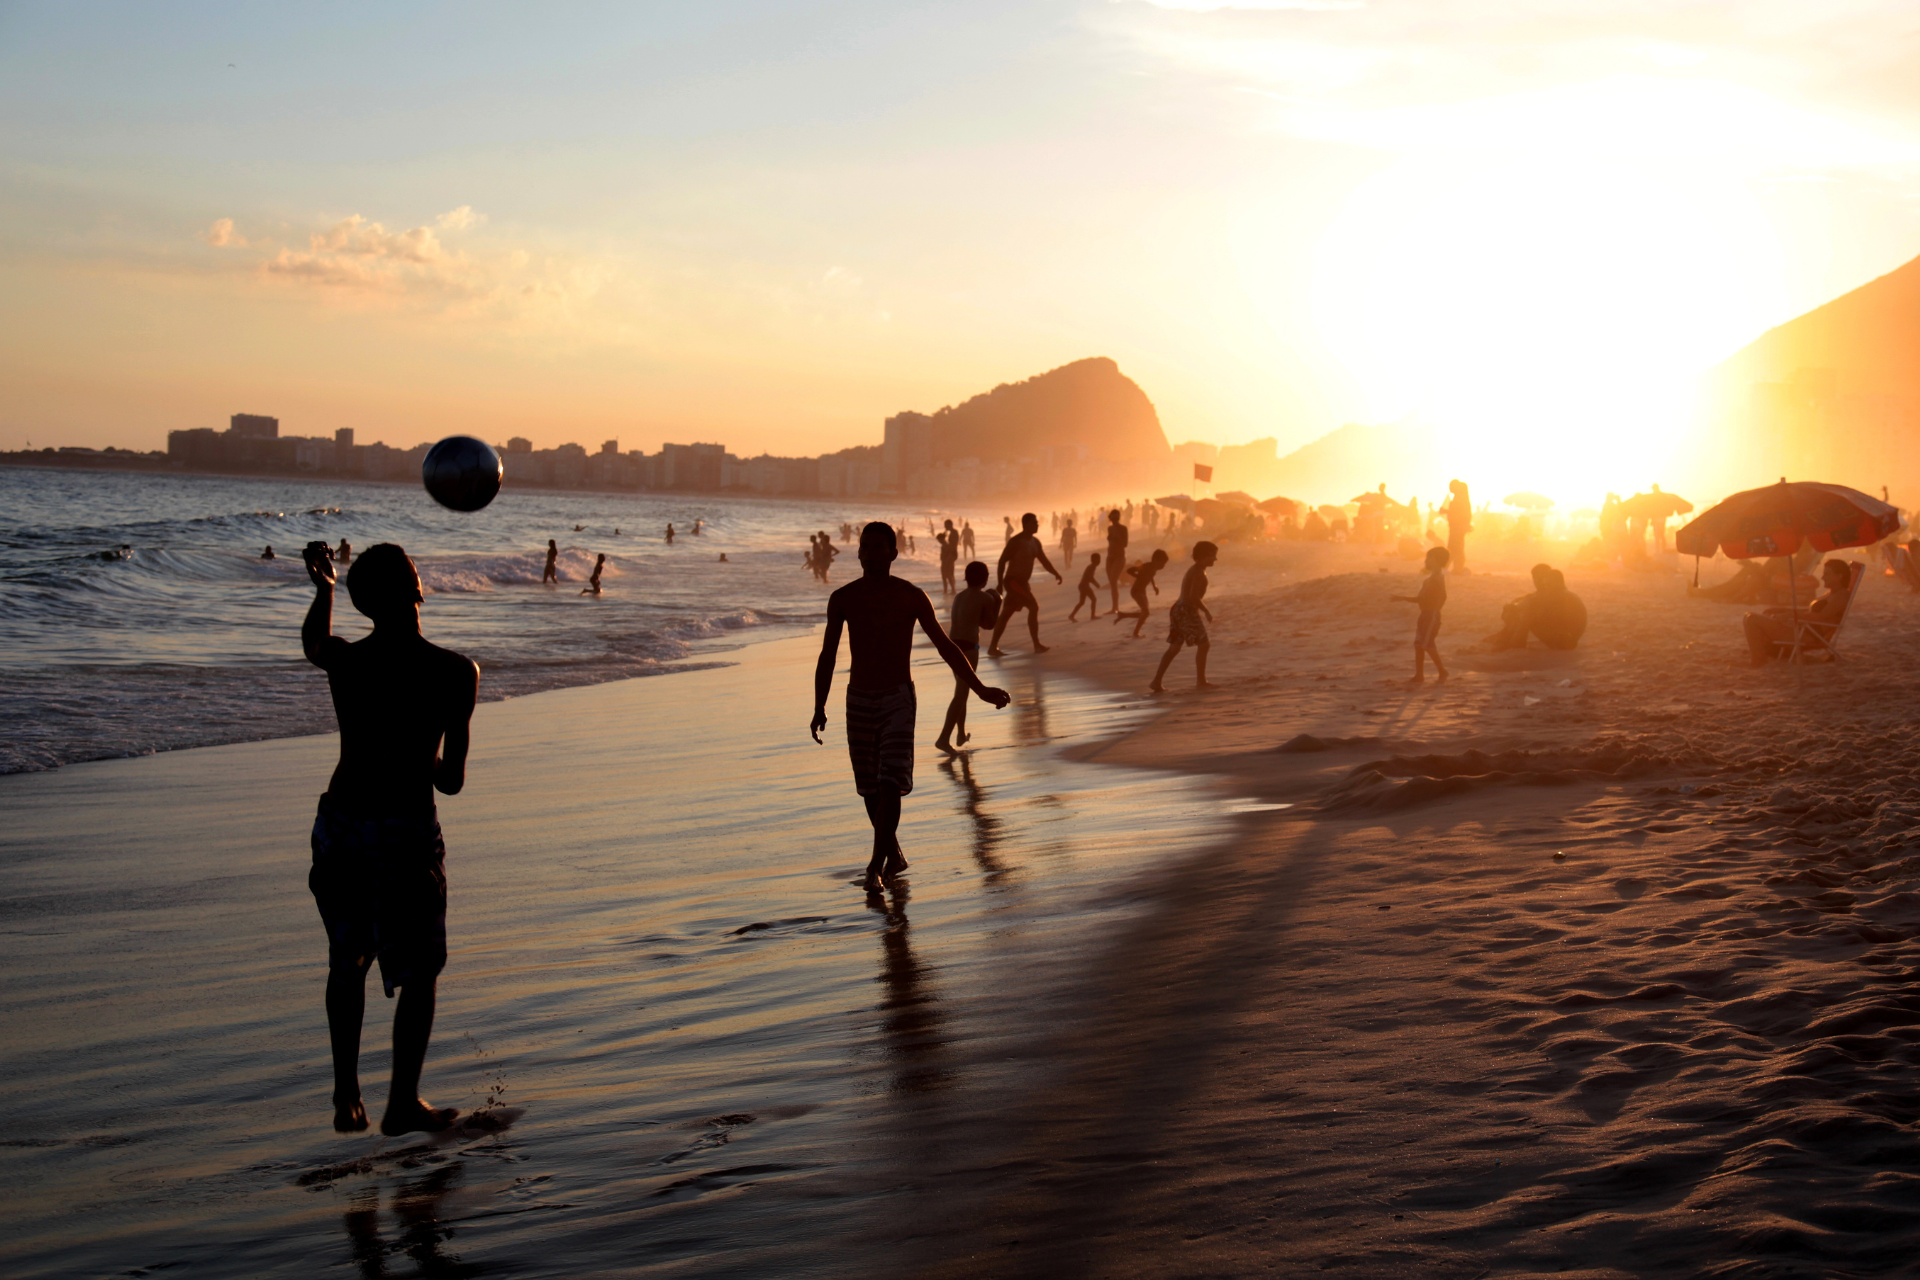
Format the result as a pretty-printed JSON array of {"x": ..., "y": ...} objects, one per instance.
[
  {"x": 1144, "y": 1020},
  {"x": 1593, "y": 963}
]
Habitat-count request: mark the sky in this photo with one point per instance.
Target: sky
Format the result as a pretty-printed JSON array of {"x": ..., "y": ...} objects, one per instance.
[{"x": 772, "y": 224}]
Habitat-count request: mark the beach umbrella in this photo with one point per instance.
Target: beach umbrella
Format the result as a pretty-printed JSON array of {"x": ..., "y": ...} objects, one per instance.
[
  {"x": 1529, "y": 501},
  {"x": 1656, "y": 505},
  {"x": 1239, "y": 496},
  {"x": 1178, "y": 501},
  {"x": 1279, "y": 506},
  {"x": 1775, "y": 520}
]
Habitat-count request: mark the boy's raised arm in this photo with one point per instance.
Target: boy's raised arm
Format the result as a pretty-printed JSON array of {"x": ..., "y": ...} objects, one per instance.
[{"x": 317, "y": 629}]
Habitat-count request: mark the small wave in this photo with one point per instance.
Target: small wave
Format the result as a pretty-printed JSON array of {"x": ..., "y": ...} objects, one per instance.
[{"x": 483, "y": 573}]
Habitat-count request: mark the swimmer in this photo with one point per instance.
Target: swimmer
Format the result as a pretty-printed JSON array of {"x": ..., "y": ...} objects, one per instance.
[{"x": 593, "y": 584}]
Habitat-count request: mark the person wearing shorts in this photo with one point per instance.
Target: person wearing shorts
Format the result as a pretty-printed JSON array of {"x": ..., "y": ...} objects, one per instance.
[
  {"x": 379, "y": 864},
  {"x": 1116, "y": 556},
  {"x": 1184, "y": 621},
  {"x": 1015, "y": 573},
  {"x": 882, "y": 611}
]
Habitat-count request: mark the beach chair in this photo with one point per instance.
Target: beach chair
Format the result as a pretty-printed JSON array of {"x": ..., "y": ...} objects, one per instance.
[{"x": 1817, "y": 641}]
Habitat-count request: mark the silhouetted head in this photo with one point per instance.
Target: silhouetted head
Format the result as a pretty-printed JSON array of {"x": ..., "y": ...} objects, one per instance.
[
  {"x": 599, "y": 560},
  {"x": 1113, "y": 517},
  {"x": 1542, "y": 577},
  {"x": 878, "y": 545},
  {"x": 1204, "y": 553},
  {"x": 1160, "y": 556},
  {"x": 1838, "y": 575},
  {"x": 383, "y": 582},
  {"x": 949, "y": 526},
  {"x": 1437, "y": 557},
  {"x": 976, "y": 574},
  {"x": 1030, "y": 522},
  {"x": 1094, "y": 558}
]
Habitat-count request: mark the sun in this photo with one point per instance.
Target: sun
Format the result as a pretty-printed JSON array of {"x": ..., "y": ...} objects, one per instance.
[{"x": 1548, "y": 319}]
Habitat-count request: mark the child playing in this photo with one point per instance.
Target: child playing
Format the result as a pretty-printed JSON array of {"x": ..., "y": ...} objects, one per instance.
[
  {"x": 593, "y": 584},
  {"x": 1087, "y": 594},
  {"x": 972, "y": 609},
  {"x": 1143, "y": 575},
  {"x": 1183, "y": 622},
  {"x": 1432, "y": 598}
]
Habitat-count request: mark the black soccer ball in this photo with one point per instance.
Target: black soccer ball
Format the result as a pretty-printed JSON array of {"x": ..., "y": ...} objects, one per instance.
[{"x": 462, "y": 473}]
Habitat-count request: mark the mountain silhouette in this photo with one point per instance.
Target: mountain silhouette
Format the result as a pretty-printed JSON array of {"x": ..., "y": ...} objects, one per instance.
[
  {"x": 1088, "y": 403},
  {"x": 1830, "y": 395}
]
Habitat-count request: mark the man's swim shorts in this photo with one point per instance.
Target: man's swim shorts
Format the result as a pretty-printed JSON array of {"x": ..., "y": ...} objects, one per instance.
[
  {"x": 1186, "y": 625},
  {"x": 381, "y": 886},
  {"x": 880, "y": 728}
]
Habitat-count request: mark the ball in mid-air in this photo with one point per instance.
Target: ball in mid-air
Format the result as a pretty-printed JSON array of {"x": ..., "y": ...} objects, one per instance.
[{"x": 462, "y": 473}]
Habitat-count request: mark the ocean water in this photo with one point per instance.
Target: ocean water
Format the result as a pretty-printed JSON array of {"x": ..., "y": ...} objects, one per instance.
[{"x": 188, "y": 638}]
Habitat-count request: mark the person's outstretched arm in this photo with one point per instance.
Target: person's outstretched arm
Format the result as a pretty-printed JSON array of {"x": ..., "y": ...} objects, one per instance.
[
  {"x": 1040, "y": 554},
  {"x": 317, "y": 630},
  {"x": 823, "y": 670},
  {"x": 948, "y": 650},
  {"x": 450, "y": 770}
]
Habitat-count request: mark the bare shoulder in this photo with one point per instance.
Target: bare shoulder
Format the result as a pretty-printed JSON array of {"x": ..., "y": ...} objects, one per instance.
[{"x": 451, "y": 666}]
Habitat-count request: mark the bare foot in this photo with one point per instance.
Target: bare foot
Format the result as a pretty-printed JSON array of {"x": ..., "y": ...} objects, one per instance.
[
  {"x": 941, "y": 744},
  {"x": 1418, "y": 680},
  {"x": 1038, "y": 647},
  {"x": 1205, "y": 684},
  {"x": 417, "y": 1116},
  {"x": 895, "y": 865},
  {"x": 1155, "y": 688},
  {"x": 349, "y": 1117},
  {"x": 965, "y": 737},
  {"x": 995, "y": 653}
]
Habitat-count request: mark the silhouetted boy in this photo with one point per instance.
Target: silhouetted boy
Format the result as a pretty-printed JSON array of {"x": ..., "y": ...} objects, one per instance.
[
  {"x": 1143, "y": 577},
  {"x": 1432, "y": 598},
  {"x": 1089, "y": 590},
  {"x": 593, "y": 583},
  {"x": 882, "y": 610},
  {"x": 379, "y": 874},
  {"x": 973, "y": 608},
  {"x": 1184, "y": 626}
]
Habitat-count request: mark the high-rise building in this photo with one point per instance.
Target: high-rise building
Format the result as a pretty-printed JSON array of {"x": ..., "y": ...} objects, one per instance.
[
  {"x": 343, "y": 438},
  {"x": 908, "y": 448},
  {"x": 254, "y": 426}
]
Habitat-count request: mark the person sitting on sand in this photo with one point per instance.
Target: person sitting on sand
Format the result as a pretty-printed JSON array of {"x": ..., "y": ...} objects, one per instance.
[
  {"x": 379, "y": 875},
  {"x": 1016, "y": 575},
  {"x": 882, "y": 611},
  {"x": 1432, "y": 598},
  {"x": 1089, "y": 590},
  {"x": 1184, "y": 626},
  {"x": 593, "y": 584},
  {"x": 1549, "y": 611},
  {"x": 1751, "y": 584},
  {"x": 972, "y": 609},
  {"x": 1767, "y": 631},
  {"x": 1143, "y": 575},
  {"x": 552, "y": 572}
]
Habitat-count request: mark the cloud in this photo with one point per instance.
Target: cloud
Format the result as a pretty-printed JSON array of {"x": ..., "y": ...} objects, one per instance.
[
  {"x": 221, "y": 235},
  {"x": 459, "y": 219}
]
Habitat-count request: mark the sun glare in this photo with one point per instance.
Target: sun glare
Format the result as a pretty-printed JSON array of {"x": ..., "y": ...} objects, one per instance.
[{"x": 1548, "y": 319}]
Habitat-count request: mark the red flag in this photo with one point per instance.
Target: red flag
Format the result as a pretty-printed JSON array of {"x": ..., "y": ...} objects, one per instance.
[{"x": 1203, "y": 474}]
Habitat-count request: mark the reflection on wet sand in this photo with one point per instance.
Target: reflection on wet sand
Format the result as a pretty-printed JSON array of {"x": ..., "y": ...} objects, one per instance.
[
  {"x": 987, "y": 835},
  {"x": 910, "y": 1014},
  {"x": 416, "y": 1205},
  {"x": 1028, "y": 686}
]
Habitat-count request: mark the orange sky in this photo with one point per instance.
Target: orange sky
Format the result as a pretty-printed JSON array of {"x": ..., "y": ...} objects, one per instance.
[{"x": 772, "y": 227}]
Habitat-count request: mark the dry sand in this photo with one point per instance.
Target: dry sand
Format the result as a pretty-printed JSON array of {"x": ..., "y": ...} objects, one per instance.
[{"x": 1592, "y": 963}]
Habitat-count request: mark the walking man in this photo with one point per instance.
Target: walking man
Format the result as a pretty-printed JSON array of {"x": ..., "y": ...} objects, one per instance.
[
  {"x": 379, "y": 875},
  {"x": 882, "y": 611},
  {"x": 1116, "y": 555},
  {"x": 1016, "y": 589}
]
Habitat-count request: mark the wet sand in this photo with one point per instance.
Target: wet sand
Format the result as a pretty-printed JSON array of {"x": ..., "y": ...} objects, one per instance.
[
  {"x": 1129, "y": 1022},
  {"x": 706, "y": 1052},
  {"x": 1595, "y": 963}
]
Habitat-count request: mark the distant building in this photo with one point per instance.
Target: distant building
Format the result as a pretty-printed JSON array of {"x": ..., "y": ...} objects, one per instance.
[
  {"x": 692, "y": 466},
  {"x": 908, "y": 448},
  {"x": 343, "y": 438},
  {"x": 519, "y": 444},
  {"x": 253, "y": 425}
]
